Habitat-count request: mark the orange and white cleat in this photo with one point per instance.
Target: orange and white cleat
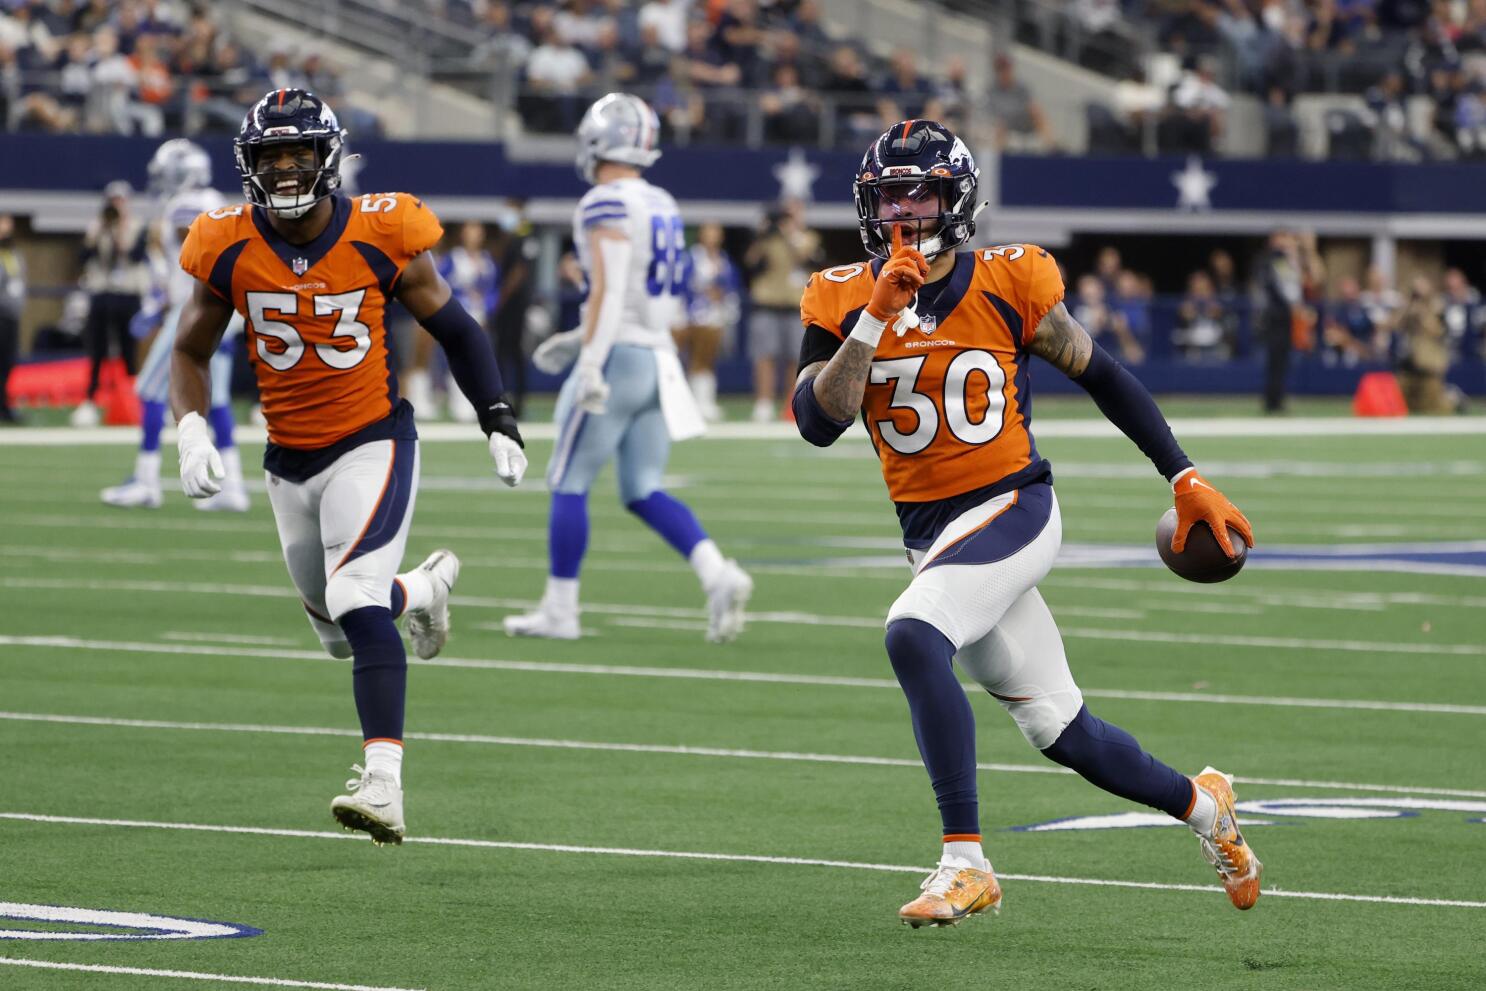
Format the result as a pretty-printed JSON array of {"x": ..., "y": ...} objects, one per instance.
[
  {"x": 952, "y": 894},
  {"x": 1235, "y": 861}
]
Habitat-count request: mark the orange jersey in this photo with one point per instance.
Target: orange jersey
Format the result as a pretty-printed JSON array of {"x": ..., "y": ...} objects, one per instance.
[
  {"x": 947, "y": 403},
  {"x": 315, "y": 330}
]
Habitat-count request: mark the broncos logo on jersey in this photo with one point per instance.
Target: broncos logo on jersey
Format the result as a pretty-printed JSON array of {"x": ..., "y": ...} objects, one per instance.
[{"x": 947, "y": 403}]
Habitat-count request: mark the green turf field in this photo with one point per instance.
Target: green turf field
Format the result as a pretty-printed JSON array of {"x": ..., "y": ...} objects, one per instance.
[{"x": 641, "y": 809}]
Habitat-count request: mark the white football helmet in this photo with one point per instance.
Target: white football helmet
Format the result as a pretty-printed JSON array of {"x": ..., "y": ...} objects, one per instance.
[
  {"x": 179, "y": 165},
  {"x": 619, "y": 127}
]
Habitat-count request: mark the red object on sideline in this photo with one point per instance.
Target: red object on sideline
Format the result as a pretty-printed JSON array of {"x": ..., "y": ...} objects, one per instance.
[
  {"x": 49, "y": 383},
  {"x": 1378, "y": 394},
  {"x": 116, "y": 399}
]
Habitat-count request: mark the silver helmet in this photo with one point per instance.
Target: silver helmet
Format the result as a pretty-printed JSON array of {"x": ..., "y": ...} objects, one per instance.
[
  {"x": 179, "y": 165},
  {"x": 620, "y": 128}
]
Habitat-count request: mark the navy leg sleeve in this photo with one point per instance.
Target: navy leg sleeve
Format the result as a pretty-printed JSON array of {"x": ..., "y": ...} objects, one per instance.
[
  {"x": 379, "y": 671},
  {"x": 943, "y": 722},
  {"x": 1110, "y": 758}
]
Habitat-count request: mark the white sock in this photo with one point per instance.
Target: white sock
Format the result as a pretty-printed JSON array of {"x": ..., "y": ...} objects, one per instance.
[
  {"x": 147, "y": 468},
  {"x": 1204, "y": 812},
  {"x": 460, "y": 408},
  {"x": 232, "y": 465},
  {"x": 386, "y": 757},
  {"x": 561, "y": 595},
  {"x": 419, "y": 392},
  {"x": 964, "y": 853},
  {"x": 418, "y": 587},
  {"x": 707, "y": 561},
  {"x": 704, "y": 388}
]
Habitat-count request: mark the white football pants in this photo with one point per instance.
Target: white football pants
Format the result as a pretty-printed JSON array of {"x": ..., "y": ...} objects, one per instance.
[
  {"x": 343, "y": 532},
  {"x": 989, "y": 607}
]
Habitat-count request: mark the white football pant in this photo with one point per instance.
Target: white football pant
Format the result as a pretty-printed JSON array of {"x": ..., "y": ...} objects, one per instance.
[
  {"x": 989, "y": 607},
  {"x": 343, "y": 532}
]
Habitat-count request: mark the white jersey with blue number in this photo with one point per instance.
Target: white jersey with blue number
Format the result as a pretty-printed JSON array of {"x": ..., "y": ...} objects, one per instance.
[
  {"x": 649, "y": 217},
  {"x": 178, "y": 214}
]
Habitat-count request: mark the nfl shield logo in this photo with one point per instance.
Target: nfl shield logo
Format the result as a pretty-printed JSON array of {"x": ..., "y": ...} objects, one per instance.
[
  {"x": 300, "y": 266},
  {"x": 928, "y": 323}
]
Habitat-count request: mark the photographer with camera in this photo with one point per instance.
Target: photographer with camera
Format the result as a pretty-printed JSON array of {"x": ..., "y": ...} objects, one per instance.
[
  {"x": 115, "y": 276},
  {"x": 778, "y": 263}
]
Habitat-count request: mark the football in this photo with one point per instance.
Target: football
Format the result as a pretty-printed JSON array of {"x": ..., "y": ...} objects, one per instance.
[{"x": 1202, "y": 560}]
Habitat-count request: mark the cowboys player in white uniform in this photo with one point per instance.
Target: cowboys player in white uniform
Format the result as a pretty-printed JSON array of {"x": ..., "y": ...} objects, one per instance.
[
  {"x": 180, "y": 175},
  {"x": 627, "y": 399}
]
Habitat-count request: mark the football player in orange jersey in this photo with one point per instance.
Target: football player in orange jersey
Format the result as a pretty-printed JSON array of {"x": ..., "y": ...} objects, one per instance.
[
  {"x": 945, "y": 399},
  {"x": 312, "y": 272}
]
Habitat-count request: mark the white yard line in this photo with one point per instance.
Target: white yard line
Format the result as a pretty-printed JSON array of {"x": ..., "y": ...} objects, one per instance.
[
  {"x": 1166, "y": 597},
  {"x": 717, "y": 856},
  {"x": 784, "y": 617},
  {"x": 670, "y": 749},
  {"x": 192, "y": 975},
  {"x": 703, "y": 674},
  {"x": 1284, "y": 643},
  {"x": 236, "y": 639}
]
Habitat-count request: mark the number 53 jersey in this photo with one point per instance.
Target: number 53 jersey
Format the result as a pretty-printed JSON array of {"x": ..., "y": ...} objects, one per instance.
[
  {"x": 316, "y": 334},
  {"x": 948, "y": 403}
]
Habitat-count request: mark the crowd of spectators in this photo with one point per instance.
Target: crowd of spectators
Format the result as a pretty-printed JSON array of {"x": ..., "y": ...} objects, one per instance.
[
  {"x": 139, "y": 67},
  {"x": 1387, "y": 53},
  {"x": 1292, "y": 308},
  {"x": 715, "y": 70}
]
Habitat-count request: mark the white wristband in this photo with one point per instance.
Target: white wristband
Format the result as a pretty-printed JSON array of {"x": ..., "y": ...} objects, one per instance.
[{"x": 868, "y": 329}]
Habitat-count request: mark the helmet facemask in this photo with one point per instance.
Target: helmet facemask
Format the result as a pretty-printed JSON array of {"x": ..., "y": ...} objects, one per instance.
[
  {"x": 290, "y": 193},
  {"x": 931, "y": 208}
]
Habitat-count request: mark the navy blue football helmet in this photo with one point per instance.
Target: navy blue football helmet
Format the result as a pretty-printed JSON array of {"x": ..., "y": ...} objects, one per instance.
[
  {"x": 917, "y": 159},
  {"x": 284, "y": 117}
]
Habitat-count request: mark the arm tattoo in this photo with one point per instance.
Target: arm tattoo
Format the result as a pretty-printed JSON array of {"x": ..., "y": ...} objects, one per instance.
[
  {"x": 1062, "y": 342},
  {"x": 843, "y": 380}
]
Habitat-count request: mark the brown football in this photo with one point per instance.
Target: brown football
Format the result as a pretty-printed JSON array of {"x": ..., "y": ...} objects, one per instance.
[{"x": 1202, "y": 560}]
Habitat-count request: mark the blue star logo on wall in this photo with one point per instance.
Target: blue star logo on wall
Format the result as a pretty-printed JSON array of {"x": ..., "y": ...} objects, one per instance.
[
  {"x": 796, "y": 177},
  {"x": 1194, "y": 186}
]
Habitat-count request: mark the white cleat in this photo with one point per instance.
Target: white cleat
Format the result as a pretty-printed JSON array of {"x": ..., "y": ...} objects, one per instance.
[
  {"x": 428, "y": 628},
  {"x": 227, "y": 501},
  {"x": 86, "y": 415},
  {"x": 373, "y": 806},
  {"x": 725, "y": 601},
  {"x": 133, "y": 494},
  {"x": 545, "y": 622}
]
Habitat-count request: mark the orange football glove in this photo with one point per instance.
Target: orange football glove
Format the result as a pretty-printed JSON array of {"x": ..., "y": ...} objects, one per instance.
[
  {"x": 902, "y": 275},
  {"x": 1197, "y": 501}
]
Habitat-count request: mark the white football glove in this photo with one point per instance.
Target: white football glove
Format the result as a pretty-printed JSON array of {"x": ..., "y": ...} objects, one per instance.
[
  {"x": 201, "y": 465},
  {"x": 593, "y": 391},
  {"x": 510, "y": 459},
  {"x": 558, "y": 351}
]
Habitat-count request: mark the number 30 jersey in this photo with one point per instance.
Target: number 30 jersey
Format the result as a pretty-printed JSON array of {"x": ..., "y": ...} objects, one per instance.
[
  {"x": 947, "y": 404},
  {"x": 315, "y": 330},
  {"x": 649, "y": 219}
]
